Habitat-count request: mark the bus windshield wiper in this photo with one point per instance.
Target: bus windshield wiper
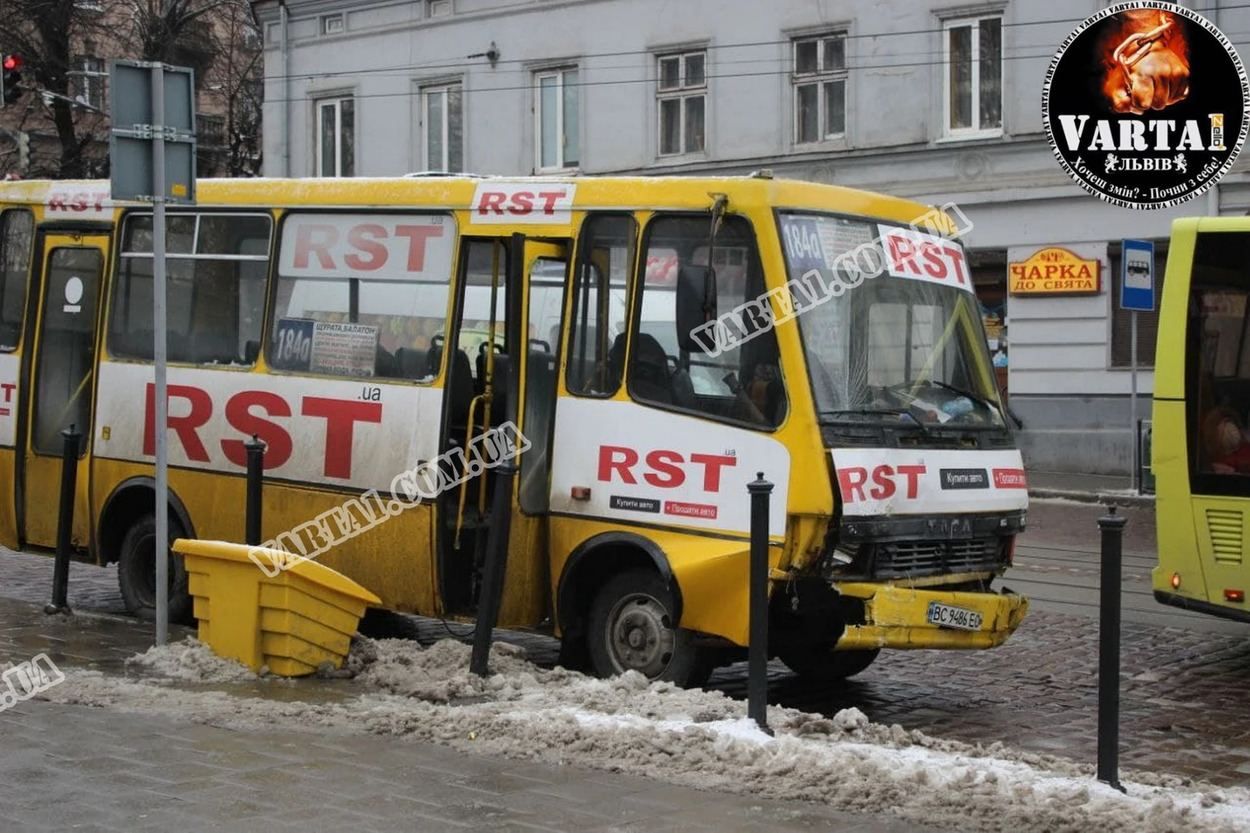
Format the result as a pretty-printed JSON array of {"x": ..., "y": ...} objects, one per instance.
[
  {"x": 966, "y": 393},
  {"x": 898, "y": 412}
]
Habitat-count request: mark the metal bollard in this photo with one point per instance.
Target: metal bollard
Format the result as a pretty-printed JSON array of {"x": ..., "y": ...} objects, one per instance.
[
  {"x": 1112, "y": 526},
  {"x": 757, "y": 651},
  {"x": 496, "y": 569},
  {"x": 65, "y": 521},
  {"x": 255, "y": 481}
]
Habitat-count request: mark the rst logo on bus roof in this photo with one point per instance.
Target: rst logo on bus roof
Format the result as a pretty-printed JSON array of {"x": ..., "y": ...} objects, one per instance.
[
  {"x": 380, "y": 247},
  {"x": 529, "y": 202}
]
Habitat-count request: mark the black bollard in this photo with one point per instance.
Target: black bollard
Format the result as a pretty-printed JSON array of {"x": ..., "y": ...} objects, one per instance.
[
  {"x": 65, "y": 521},
  {"x": 496, "y": 568},
  {"x": 1112, "y": 526},
  {"x": 757, "y": 651},
  {"x": 255, "y": 481}
]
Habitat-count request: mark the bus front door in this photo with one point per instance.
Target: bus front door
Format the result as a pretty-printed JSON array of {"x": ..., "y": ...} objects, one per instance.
[{"x": 61, "y": 385}]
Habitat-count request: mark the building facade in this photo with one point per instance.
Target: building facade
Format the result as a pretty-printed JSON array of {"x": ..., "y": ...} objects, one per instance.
[{"x": 938, "y": 101}]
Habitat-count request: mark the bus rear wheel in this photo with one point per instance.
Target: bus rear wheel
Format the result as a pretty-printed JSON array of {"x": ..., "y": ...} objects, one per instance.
[
  {"x": 631, "y": 629},
  {"x": 136, "y": 572},
  {"x": 825, "y": 665}
]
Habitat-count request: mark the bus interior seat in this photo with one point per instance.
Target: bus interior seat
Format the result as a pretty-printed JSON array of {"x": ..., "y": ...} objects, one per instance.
[
  {"x": 251, "y": 351},
  {"x": 458, "y": 387},
  {"x": 649, "y": 376},
  {"x": 385, "y": 365},
  {"x": 411, "y": 363}
]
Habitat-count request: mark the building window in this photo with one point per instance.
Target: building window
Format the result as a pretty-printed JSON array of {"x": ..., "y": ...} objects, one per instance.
[
  {"x": 819, "y": 88},
  {"x": 681, "y": 92},
  {"x": 556, "y": 123},
  {"x": 336, "y": 137},
  {"x": 331, "y": 24},
  {"x": 89, "y": 76},
  {"x": 1121, "y": 320},
  {"x": 973, "y": 77},
  {"x": 442, "y": 112}
]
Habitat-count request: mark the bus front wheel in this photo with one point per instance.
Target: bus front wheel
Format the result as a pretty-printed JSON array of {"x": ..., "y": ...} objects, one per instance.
[
  {"x": 136, "y": 572},
  {"x": 824, "y": 665},
  {"x": 631, "y": 629}
]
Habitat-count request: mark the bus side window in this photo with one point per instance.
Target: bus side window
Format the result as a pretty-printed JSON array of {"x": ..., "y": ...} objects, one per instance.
[
  {"x": 600, "y": 305},
  {"x": 16, "y": 236},
  {"x": 361, "y": 295},
  {"x": 1219, "y": 357},
  {"x": 216, "y": 266},
  {"x": 741, "y": 384}
]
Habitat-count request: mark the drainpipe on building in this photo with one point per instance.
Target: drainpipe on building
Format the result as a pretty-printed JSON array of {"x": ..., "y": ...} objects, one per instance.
[{"x": 285, "y": 131}]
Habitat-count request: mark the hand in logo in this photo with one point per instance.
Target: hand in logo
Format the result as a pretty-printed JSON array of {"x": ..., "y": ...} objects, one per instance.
[{"x": 1149, "y": 69}]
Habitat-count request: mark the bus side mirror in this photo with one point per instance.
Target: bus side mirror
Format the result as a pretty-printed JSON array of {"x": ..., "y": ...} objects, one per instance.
[{"x": 696, "y": 305}]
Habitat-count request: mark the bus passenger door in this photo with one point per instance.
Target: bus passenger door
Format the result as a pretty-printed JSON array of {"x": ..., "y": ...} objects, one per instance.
[
  {"x": 546, "y": 266},
  {"x": 61, "y": 382}
]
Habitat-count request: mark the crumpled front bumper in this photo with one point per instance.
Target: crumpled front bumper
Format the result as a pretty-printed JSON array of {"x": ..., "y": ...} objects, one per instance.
[{"x": 896, "y": 617}]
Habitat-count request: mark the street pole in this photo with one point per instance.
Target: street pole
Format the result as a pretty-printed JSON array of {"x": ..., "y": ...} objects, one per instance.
[
  {"x": 159, "y": 353},
  {"x": 1132, "y": 400}
]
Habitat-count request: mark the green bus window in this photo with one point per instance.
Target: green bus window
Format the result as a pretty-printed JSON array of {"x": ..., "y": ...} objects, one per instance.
[
  {"x": 16, "y": 235},
  {"x": 216, "y": 268},
  {"x": 600, "y": 304}
]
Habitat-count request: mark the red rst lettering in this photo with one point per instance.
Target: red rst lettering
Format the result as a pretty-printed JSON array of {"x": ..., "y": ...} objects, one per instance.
[
  {"x": 712, "y": 464},
  {"x": 608, "y": 462},
  {"x": 549, "y": 200},
  {"x": 185, "y": 427},
  {"x": 8, "y": 388},
  {"x": 417, "y": 237},
  {"x": 851, "y": 482},
  {"x": 306, "y": 246},
  {"x": 912, "y": 473},
  {"x": 667, "y": 472},
  {"x": 56, "y": 202},
  {"x": 492, "y": 200},
  {"x": 903, "y": 254},
  {"x": 276, "y": 439},
  {"x": 957, "y": 260},
  {"x": 522, "y": 202},
  {"x": 341, "y": 416},
  {"x": 883, "y": 476},
  {"x": 365, "y": 239},
  {"x": 934, "y": 263}
]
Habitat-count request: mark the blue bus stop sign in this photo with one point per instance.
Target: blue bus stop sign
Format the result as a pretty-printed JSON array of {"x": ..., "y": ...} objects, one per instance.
[{"x": 1137, "y": 275}]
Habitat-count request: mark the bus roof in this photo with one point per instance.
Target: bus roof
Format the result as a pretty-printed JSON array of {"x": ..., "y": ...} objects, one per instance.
[{"x": 458, "y": 193}]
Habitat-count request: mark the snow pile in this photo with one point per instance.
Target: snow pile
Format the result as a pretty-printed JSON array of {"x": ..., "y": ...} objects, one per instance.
[
  {"x": 190, "y": 661},
  {"x": 699, "y": 739}
]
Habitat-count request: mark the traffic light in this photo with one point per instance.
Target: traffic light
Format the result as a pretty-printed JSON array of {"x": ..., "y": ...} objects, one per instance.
[{"x": 10, "y": 79}]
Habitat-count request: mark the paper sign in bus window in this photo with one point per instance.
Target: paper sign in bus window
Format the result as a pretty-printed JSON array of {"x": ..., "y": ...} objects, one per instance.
[{"x": 344, "y": 349}]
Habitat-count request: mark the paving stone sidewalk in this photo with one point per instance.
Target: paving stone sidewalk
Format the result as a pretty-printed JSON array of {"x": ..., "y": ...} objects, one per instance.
[{"x": 69, "y": 767}]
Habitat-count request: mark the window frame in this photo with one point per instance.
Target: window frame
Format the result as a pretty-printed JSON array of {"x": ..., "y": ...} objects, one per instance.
[
  {"x": 820, "y": 78},
  {"x": 580, "y": 260},
  {"x": 443, "y": 89},
  {"x": 680, "y": 93},
  {"x": 274, "y": 278},
  {"x": 639, "y": 278},
  {"x": 975, "y": 130},
  {"x": 335, "y": 102},
  {"x": 90, "y": 76},
  {"x": 559, "y": 74},
  {"x": 115, "y": 280}
]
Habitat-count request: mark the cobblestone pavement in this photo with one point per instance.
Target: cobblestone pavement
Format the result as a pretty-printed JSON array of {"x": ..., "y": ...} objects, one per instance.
[{"x": 1186, "y": 679}]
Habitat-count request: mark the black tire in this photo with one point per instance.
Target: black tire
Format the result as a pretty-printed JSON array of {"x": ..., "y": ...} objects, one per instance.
[
  {"x": 826, "y": 665},
  {"x": 631, "y": 628},
  {"x": 136, "y": 573}
]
